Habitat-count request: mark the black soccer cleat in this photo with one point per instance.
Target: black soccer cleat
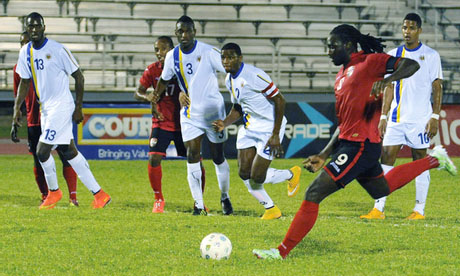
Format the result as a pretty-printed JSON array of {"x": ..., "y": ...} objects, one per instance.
[
  {"x": 199, "y": 212},
  {"x": 227, "y": 208}
]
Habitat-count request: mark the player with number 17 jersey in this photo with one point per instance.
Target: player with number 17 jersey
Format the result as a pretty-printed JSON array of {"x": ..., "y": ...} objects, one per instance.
[{"x": 196, "y": 72}]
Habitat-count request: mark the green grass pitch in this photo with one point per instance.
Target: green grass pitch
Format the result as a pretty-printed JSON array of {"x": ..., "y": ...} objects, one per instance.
[{"x": 125, "y": 238}]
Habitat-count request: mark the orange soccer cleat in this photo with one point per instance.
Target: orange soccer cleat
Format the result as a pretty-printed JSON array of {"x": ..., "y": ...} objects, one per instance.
[
  {"x": 101, "y": 199},
  {"x": 158, "y": 206},
  {"x": 415, "y": 216},
  {"x": 51, "y": 200}
]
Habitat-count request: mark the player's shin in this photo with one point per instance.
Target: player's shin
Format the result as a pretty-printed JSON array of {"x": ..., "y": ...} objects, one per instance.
[
  {"x": 81, "y": 167},
  {"x": 258, "y": 192},
  {"x": 303, "y": 222},
  {"x": 194, "y": 182},
  {"x": 49, "y": 168},
  {"x": 223, "y": 178}
]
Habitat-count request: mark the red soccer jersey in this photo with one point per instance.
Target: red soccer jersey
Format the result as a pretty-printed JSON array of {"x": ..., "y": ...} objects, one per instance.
[
  {"x": 359, "y": 114},
  {"x": 168, "y": 104},
  {"x": 32, "y": 104}
]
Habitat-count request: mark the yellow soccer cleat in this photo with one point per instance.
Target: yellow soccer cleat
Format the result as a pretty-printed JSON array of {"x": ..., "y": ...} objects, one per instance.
[
  {"x": 272, "y": 213},
  {"x": 415, "y": 216},
  {"x": 294, "y": 183},
  {"x": 374, "y": 214},
  {"x": 51, "y": 200}
]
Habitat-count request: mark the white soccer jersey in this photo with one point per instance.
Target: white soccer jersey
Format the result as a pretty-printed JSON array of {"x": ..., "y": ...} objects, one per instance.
[
  {"x": 411, "y": 102},
  {"x": 251, "y": 88},
  {"x": 49, "y": 68},
  {"x": 196, "y": 72}
]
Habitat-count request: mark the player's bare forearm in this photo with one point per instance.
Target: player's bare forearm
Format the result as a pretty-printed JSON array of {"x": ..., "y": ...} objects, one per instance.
[
  {"x": 22, "y": 93},
  {"x": 159, "y": 90},
  {"x": 141, "y": 94},
  {"x": 437, "y": 95},
  {"x": 79, "y": 87},
  {"x": 387, "y": 99},
  {"x": 280, "y": 104},
  {"x": 232, "y": 117}
]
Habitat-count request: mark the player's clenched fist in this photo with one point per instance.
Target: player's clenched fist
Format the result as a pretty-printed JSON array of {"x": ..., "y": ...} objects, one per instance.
[{"x": 218, "y": 125}]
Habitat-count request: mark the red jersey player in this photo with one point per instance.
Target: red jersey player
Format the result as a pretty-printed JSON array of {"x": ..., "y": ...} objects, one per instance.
[
  {"x": 165, "y": 120},
  {"x": 33, "y": 135},
  {"x": 357, "y": 140}
]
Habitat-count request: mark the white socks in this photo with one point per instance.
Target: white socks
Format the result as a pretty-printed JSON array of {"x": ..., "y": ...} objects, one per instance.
[
  {"x": 194, "y": 182},
  {"x": 223, "y": 178},
  {"x": 275, "y": 176},
  {"x": 49, "y": 168},
  {"x": 380, "y": 203},
  {"x": 81, "y": 167},
  {"x": 260, "y": 194},
  {"x": 422, "y": 183}
]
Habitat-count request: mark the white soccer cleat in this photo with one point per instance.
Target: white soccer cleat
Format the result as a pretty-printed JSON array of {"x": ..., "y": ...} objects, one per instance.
[{"x": 445, "y": 162}]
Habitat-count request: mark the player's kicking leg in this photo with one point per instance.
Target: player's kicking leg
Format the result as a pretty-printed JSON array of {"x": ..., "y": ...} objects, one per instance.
[{"x": 71, "y": 179}]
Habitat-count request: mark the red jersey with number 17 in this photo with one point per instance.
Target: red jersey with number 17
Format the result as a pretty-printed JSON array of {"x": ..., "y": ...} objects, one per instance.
[
  {"x": 359, "y": 114},
  {"x": 168, "y": 104},
  {"x": 32, "y": 104}
]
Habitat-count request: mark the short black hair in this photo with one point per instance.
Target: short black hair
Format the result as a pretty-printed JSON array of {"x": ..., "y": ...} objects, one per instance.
[
  {"x": 414, "y": 17},
  {"x": 35, "y": 15},
  {"x": 187, "y": 20},
  {"x": 25, "y": 33},
  {"x": 168, "y": 40},
  {"x": 232, "y": 46}
]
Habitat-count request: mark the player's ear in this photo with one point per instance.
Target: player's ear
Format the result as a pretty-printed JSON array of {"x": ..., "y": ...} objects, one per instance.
[{"x": 240, "y": 59}]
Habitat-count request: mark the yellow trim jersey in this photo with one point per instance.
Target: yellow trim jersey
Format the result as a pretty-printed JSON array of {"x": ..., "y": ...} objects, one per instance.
[
  {"x": 49, "y": 68},
  {"x": 252, "y": 88},
  {"x": 196, "y": 72},
  {"x": 411, "y": 102}
]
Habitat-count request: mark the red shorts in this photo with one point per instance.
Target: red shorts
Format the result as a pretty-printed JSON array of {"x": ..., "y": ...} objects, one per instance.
[{"x": 355, "y": 160}]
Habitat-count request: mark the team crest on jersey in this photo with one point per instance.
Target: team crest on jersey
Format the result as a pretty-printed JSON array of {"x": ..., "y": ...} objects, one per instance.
[
  {"x": 199, "y": 59},
  {"x": 48, "y": 56},
  {"x": 153, "y": 142},
  {"x": 422, "y": 57},
  {"x": 350, "y": 71}
]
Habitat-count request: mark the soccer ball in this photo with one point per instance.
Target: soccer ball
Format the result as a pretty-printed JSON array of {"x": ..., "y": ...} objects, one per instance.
[{"x": 216, "y": 246}]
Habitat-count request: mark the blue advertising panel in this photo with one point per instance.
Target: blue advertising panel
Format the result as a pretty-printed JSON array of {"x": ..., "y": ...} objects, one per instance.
[
  {"x": 121, "y": 131},
  {"x": 115, "y": 132}
]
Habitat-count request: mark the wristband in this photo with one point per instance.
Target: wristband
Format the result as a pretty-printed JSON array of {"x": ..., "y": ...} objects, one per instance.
[
  {"x": 383, "y": 117},
  {"x": 435, "y": 116}
]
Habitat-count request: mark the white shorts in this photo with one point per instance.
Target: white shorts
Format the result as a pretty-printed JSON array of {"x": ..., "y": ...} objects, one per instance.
[
  {"x": 250, "y": 138},
  {"x": 410, "y": 134},
  {"x": 191, "y": 129},
  {"x": 56, "y": 127}
]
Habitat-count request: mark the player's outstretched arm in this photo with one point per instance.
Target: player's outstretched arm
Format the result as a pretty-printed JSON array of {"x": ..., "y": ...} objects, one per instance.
[
  {"x": 235, "y": 113},
  {"x": 23, "y": 90},
  {"x": 77, "y": 116},
  {"x": 404, "y": 68}
]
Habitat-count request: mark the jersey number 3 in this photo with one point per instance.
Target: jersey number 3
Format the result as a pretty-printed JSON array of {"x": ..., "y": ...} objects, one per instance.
[{"x": 189, "y": 68}]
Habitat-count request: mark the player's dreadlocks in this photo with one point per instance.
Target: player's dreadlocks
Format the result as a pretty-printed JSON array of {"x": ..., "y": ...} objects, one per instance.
[{"x": 368, "y": 43}]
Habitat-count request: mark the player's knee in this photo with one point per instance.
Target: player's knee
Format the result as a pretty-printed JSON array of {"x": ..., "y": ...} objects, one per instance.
[
  {"x": 258, "y": 178},
  {"x": 193, "y": 156},
  {"x": 312, "y": 194},
  {"x": 42, "y": 154},
  {"x": 218, "y": 158},
  {"x": 67, "y": 152},
  {"x": 244, "y": 174},
  {"x": 155, "y": 160}
]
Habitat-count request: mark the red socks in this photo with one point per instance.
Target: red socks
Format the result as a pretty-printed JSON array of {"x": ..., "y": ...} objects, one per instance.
[
  {"x": 403, "y": 174},
  {"x": 71, "y": 178},
  {"x": 40, "y": 179},
  {"x": 302, "y": 224},
  {"x": 155, "y": 175}
]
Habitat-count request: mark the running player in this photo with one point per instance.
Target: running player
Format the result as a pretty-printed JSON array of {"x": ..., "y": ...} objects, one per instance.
[
  {"x": 195, "y": 64},
  {"x": 33, "y": 134},
  {"x": 165, "y": 120},
  {"x": 357, "y": 138},
  {"x": 257, "y": 99},
  {"x": 412, "y": 120},
  {"x": 48, "y": 64}
]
